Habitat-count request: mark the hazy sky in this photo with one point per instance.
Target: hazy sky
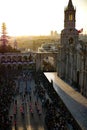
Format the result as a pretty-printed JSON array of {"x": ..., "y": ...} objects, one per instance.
[{"x": 39, "y": 17}]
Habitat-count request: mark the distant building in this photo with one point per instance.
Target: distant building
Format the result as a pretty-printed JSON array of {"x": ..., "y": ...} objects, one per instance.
[
  {"x": 54, "y": 33},
  {"x": 48, "y": 47},
  {"x": 51, "y": 33},
  {"x": 72, "y": 54}
]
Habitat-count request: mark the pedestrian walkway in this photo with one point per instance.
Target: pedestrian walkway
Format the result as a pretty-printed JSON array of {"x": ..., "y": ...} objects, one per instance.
[{"x": 74, "y": 101}]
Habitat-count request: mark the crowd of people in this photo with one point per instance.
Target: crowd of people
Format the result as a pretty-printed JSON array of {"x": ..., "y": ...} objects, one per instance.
[
  {"x": 57, "y": 116},
  {"x": 6, "y": 94}
]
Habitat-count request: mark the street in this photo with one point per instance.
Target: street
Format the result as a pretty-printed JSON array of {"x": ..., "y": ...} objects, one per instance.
[{"x": 24, "y": 112}]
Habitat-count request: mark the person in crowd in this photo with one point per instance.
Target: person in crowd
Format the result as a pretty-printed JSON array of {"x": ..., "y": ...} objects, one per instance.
[{"x": 7, "y": 91}]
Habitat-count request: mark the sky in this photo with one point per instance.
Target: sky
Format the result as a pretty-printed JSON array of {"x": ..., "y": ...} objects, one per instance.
[{"x": 39, "y": 17}]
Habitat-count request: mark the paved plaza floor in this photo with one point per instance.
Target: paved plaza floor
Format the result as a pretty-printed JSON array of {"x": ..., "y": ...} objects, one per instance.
[{"x": 29, "y": 121}]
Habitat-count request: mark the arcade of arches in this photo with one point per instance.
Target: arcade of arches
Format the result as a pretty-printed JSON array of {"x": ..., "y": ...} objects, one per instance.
[{"x": 31, "y": 61}]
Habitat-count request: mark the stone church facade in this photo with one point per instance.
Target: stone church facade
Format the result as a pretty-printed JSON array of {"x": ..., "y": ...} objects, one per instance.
[{"x": 72, "y": 55}]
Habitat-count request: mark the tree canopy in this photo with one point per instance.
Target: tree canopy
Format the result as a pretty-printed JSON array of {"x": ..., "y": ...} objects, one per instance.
[{"x": 7, "y": 49}]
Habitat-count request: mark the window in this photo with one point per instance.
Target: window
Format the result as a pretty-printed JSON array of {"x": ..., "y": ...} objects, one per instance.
[
  {"x": 70, "y": 40},
  {"x": 70, "y": 17}
]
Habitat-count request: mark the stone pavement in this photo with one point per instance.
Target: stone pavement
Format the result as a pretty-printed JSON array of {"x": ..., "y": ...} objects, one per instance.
[
  {"x": 28, "y": 122},
  {"x": 74, "y": 101}
]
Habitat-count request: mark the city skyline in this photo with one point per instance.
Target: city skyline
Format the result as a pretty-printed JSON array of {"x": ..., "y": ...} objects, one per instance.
[{"x": 31, "y": 17}]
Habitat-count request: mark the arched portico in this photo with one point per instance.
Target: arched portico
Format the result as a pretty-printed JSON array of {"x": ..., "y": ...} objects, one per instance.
[{"x": 33, "y": 61}]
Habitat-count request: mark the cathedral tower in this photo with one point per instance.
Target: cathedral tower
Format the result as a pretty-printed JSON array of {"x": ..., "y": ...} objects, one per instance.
[
  {"x": 69, "y": 41},
  {"x": 69, "y": 34}
]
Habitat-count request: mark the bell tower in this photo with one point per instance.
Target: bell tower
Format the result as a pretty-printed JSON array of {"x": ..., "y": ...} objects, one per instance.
[
  {"x": 69, "y": 40},
  {"x": 69, "y": 35},
  {"x": 69, "y": 19}
]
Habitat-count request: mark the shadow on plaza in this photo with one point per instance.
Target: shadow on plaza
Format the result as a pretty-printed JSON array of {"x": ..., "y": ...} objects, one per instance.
[
  {"x": 28, "y": 121},
  {"x": 23, "y": 125},
  {"x": 34, "y": 124},
  {"x": 36, "y": 121}
]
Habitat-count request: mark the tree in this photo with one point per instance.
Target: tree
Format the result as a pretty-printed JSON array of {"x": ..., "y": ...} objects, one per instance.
[
  {"x": 4, "y": 37},
  {"x": 4, "y": 48}
]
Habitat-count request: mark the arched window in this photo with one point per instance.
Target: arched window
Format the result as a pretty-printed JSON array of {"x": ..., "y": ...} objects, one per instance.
[
  {"x": 14, "y": 59},
  {"x": 25, "y": 58},
  {"x": 8, "y": 59},
  {"x": 19, "y": 58},
  {"x": 70, "y": 17},
  {"x": 70, "y": 40},
  {"x": 3, "y": 59}
]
